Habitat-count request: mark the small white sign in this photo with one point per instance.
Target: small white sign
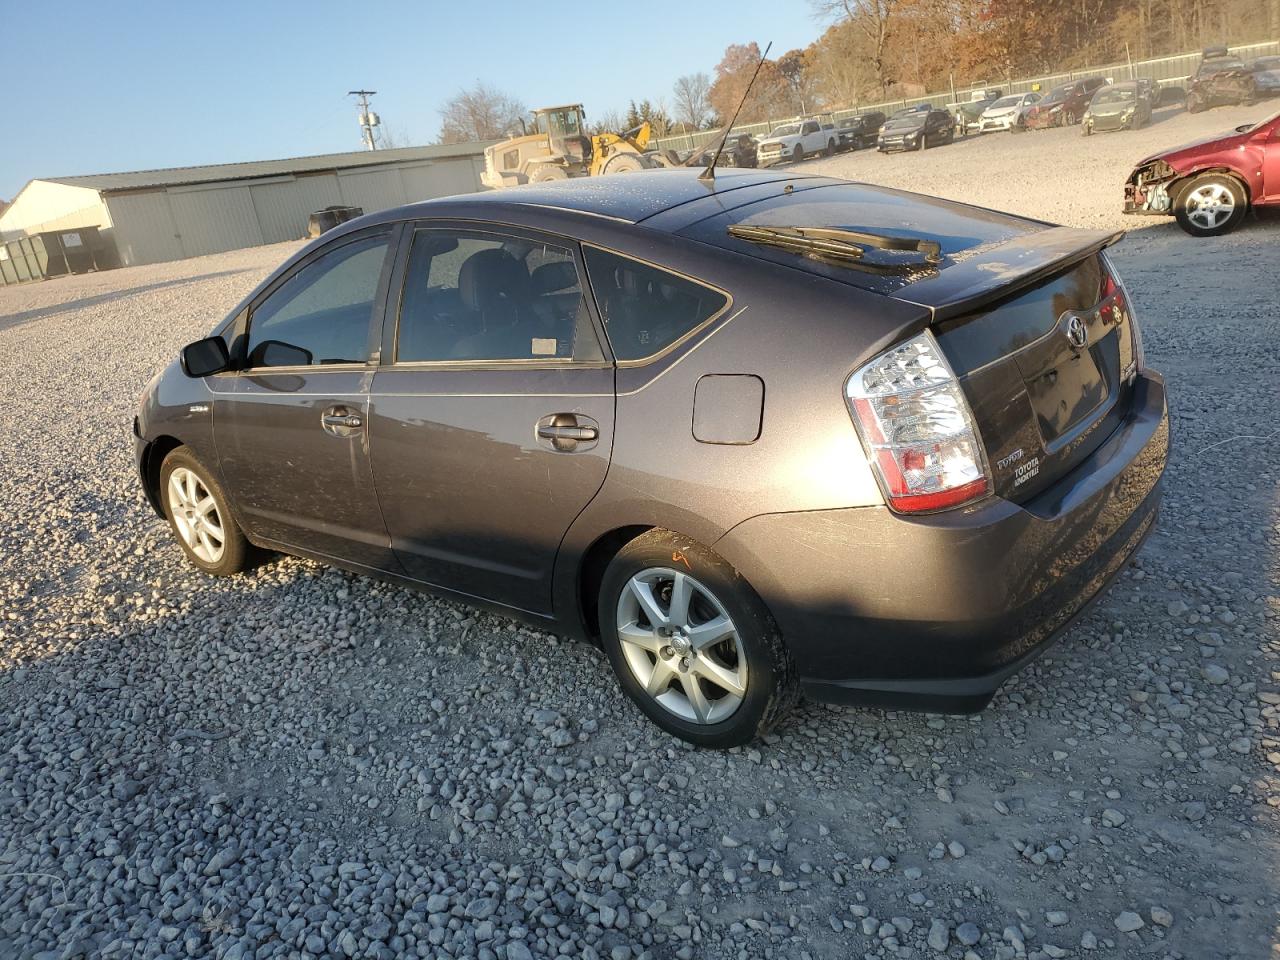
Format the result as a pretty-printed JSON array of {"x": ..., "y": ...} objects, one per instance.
[
  {"x": 4, "y": 252},
  {"x": 71, "y": 240},
  {"x": 544, "y": 346}
]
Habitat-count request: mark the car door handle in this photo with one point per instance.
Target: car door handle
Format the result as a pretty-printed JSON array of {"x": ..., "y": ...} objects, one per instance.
[
  {"x": 555, "y": 431},
  {"x": 340, "y": 420},
  {"x": 567, "y": 432}
]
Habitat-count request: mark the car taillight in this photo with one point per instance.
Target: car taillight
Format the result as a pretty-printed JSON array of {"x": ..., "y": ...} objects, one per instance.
[
  {"x": 918, "y": 431},
  {"x": 1116, "y": 307}
]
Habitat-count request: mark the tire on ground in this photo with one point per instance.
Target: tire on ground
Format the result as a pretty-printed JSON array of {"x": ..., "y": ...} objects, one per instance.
[
  {"x": 772, "y": 684},
  {"x": 237, "y": 553},
  {"x": 623, "y": 163},
  {"x": 1239, "y": 199},
  {"x": 544, "y": 172}
]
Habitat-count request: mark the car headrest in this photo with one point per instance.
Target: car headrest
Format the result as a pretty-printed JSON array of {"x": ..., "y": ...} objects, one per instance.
[
  {"x": 493, "y": 281},
  {"x": 550, "y": 277}
]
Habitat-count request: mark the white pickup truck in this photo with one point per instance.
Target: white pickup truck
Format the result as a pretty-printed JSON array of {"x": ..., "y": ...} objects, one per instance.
[{"x": 795, "y": 141}]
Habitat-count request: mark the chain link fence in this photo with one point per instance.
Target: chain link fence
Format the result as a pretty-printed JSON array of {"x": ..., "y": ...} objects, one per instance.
[{"x": 1163, "y": 70}]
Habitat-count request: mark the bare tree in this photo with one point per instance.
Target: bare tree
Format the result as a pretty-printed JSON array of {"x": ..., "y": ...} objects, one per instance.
[
  {"x": 481, "y": 113},
  {"x": 692, "y": 106},
  {"x": 873, "y": 18}
]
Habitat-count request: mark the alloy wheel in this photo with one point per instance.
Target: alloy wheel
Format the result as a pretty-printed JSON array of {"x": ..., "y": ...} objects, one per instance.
[
  {"x": 681, "y": 645},
  {"x": 195, "y": 515},
  {"x": 1209, "y": 206}
]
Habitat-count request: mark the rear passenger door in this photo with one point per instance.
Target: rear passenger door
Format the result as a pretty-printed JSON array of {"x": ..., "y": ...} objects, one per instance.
[{"x": 491, "y": 415}]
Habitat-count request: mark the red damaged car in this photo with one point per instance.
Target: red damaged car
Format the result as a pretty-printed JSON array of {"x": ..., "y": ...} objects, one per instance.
[
  {"x": 1064, "y": 105},
  {"x": 1210, "y": 184}
]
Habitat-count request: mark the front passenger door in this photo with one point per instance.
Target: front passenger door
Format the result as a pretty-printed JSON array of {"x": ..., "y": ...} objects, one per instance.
[{"x": 292, "y": 429}]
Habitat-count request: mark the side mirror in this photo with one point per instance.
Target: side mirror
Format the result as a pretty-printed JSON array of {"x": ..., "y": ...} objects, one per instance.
[{"x": 205, "y": 357}]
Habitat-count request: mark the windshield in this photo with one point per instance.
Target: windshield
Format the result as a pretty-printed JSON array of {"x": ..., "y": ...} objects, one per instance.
[
  {"x": 789, "y": 130},
  {"x": 1115, "y": 95},
  {"x": 1222, "y": 63},
  {"x": 1005, "y": 102},
  {"x": 1061, "y": 93},
  {"x": 1267, "y": 63}
]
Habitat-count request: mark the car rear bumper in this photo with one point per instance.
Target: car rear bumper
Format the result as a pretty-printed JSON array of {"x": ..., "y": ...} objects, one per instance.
[{"x": 935, "y": 612}]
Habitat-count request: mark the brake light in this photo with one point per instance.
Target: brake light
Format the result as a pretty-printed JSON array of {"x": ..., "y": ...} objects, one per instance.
[
  {"x": 918, "y": 431},
  {"x": 1116, "y": 307}
]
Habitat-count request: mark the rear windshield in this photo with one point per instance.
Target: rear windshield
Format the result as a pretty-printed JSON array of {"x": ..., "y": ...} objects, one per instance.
[{"x": 866, "y": 208}]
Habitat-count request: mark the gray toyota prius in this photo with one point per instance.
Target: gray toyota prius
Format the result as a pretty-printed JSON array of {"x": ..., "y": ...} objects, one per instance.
[{"x": 754, "y": 436}]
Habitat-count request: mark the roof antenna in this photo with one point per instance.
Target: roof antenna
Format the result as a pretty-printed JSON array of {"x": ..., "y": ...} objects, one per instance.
[{"x": 709, "y": 174}]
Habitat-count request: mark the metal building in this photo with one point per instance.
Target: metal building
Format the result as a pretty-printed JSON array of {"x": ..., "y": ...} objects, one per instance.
[{"x": 155, "y": 215}]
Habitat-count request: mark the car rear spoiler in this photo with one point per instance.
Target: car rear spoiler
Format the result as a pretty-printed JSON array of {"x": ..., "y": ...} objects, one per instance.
[{"x": 979, "y": 277}]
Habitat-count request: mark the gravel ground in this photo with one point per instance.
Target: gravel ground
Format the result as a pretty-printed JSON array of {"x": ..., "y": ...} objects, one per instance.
[{"x": 299, "y": 762}]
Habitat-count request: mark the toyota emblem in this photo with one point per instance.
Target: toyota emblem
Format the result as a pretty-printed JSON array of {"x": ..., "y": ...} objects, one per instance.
[{"x": 1077, "y": 333}]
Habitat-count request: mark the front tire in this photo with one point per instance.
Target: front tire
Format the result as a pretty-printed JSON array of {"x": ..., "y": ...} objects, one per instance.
[
  {"x": 692, "y": 644},
  {"x": 200, "y": 517},
  {"x": 1210, "y": 205},
  {"x": 797, "y": 154}
]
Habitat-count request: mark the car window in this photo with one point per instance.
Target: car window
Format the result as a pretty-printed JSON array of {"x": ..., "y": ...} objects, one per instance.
[
  {"x": 646, "y": 309},
  {"x": 320, "y": 314},
  {"x": 471, "y": 295}
]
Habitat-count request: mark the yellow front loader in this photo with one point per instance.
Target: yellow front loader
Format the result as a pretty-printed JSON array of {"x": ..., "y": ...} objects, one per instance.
[{"x": 560, "y": 148}]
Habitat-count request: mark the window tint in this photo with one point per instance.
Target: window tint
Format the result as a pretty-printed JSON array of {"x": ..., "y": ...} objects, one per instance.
[
  {"x": 645, "y": 309},
  {"x": 321, "y": 313},
  {"x": 482, "y": 296}
]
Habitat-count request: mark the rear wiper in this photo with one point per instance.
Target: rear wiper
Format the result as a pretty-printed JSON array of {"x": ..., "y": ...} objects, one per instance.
[{"x": 841, "y": 246}]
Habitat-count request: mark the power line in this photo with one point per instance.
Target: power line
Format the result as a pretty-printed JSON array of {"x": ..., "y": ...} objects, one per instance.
[{"x": 368, "y": 119}]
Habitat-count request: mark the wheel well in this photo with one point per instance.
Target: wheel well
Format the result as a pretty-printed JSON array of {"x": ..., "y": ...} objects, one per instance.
[
  {"x": 591, "y": 573},
  {"x": 157, "y": 450},
  {"x": 1226, "y": 171}
]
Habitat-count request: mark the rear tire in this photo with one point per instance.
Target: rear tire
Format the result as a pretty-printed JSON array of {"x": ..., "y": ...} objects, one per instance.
[
  {"x": 831, "y": 148},
  {"x": 1210, "y": 205},
  {"x": 199, "y": 515},
  {"x": 546, "y": 172},
  {"x": 712, "y": 670},
  {"x": 623, "y": 163}
]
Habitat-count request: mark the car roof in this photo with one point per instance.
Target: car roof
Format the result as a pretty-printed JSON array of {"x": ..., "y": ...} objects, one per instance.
[{"x": 630, "y": 198}]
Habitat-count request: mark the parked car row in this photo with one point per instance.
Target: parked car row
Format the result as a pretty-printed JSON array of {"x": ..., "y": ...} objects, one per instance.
[{"x": 1095, "y": 103}]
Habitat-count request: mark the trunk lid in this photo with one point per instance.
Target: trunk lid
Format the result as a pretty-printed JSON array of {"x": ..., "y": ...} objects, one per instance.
[{"x": 1024, "y": 312}]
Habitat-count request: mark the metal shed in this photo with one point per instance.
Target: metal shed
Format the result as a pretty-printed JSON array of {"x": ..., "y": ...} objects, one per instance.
[{"x": 150, "y": 216}]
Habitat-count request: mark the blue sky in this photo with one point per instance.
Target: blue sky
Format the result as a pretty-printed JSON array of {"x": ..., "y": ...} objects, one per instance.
[{"x": 138, "y": 85}]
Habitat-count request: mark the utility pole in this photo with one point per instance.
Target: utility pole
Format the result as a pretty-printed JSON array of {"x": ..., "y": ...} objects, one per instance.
[{"x": 368, "y": 119}]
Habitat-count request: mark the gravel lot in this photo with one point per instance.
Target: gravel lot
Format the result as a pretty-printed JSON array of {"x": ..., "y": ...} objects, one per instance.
[{"x": 303, "y": 763}]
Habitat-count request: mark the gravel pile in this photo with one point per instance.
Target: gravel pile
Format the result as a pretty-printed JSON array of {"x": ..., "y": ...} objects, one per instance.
[{"x": 302, "y": 763}]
